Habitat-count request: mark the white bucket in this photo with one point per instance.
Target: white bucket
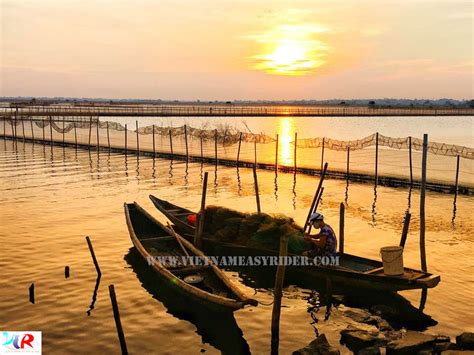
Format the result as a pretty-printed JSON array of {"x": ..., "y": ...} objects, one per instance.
[{"x": 392, "y": 258}]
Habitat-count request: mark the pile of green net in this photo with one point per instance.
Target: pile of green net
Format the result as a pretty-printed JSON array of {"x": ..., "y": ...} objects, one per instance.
[{"x": 253, "y": 229}]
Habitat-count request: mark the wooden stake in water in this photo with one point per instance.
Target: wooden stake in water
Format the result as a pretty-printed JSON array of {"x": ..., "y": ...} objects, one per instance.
[
  {"x": 32, "y": 131},
  {"x": 296, "y": 146},
  {"x": 14, "y": 126},
  {"x": 456, "y": 185},
  {"x": 410, "y": 161},
  {"x": 118, "y": 322},
  {"x": 94, "y": 259},
  {"x": 255, "y": 151},
  {"x": 171, "y": 144},
  {"x": 44, "y": 139},
  {"x": 406, "y": 226},
  {"x": 238, "y": 149},
  {"x": 51, "y": 129},
  {"x": 108, "y": 134},
  {"x": 215, "y": 145},
  {"x": 186, "y": 141},
  {"x": 278, "y": 292},
  {"x": 347, "y": 163},
  {"x": 31, "y": 292},
  {"x": 154, "y": 147},
  {"x": 257, "y": 195},
  {"x": 322, "y": 154},
  {"x": 342, "y": 209},
  {"x": 200, "y": 138},
  {"x": 23, "y": 129},
  {"x": 422, "y": 203},
  {"x": 276, "y": 154},
  {"x": 90, "y": 131},
  {"x": 66, "y": 272},
  {"x": 126, "y": 143},
  {"x": 201, "y": 216},
  {"x": 75, "y": 134},
  {"x": 376, "y": 158},
  {"x": 138, "y": 139},
  {"x": 64, "y": 129}
]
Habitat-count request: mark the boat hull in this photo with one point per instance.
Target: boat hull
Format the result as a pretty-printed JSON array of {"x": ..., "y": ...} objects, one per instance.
[{"x": 307, "y": 275}]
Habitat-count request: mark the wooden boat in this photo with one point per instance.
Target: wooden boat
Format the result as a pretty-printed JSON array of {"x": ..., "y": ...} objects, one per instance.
[
  {"x": 352, "y": 271},
  {"x": 206, "y": 284}
]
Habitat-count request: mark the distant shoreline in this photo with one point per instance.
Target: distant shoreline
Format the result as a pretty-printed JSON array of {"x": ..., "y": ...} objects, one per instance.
[{"x": 333, "y": 103}]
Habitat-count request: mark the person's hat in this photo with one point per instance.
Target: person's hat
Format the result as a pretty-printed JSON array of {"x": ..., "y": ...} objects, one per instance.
[{"x": 316, "y": 217}]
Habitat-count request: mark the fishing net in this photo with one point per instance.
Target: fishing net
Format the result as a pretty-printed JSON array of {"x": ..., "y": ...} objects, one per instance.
[
  {"x": 253, "y": 229},
  {"x": 227, "y": 136}
]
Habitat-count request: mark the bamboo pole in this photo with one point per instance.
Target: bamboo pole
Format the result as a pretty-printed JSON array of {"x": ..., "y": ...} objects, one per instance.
[
  {"x": 376, "y": 158},
  {"x": 108, "y": 134},
  {"x": 276, "y": 311},
  {"x": 200, "y": 139},
  {"x": 4, "y": 128},
  {"x": 422, "y": 203},
  {"x": 126, "y": 143},
  {"x": 94, "y": 259},
  {"x": 296, "y": 146},
  {"x": 14, "y": 126},
  {"x": 75, "y": 134},
  {"x": 23, "y": 129},
  {"x": 322, "y": 153},
  {"x": 51, "y": 129},
  {"x": 276, "y": 154},
  {"x": 406, "y": 225},
  {"x": 257, "y": 195},
  {"x": 118, "y": 323},
  {"x": 215, "y": 145},
  {"x": 348, "y": 162},
  {"x": 255, "y": 150},
  {"x": 44, "y": 139},
  {"x": 138, "y": 139},
  {"x": 341, "y": 228},
  {"x": 201, "y": 216},
  {"x": 154, "y": 147},
  {"x": 171, "y": 144},
  {"x": 186, "y": 141},
  {"x": 90, "y": 131},
  {"x": 32, "y": 130},
  {"x": 410, "y": 158},
  {"x": 64, "y": 127},
  {"x": 238, "y": 149},
  {"x": 98, "y": 134},
  {"x": 315, "y": 198},
  {"x": 458, "y": 158}
]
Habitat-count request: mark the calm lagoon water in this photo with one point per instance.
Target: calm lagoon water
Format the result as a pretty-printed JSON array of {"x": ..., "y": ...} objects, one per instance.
[{"x": 52, "y": 198}]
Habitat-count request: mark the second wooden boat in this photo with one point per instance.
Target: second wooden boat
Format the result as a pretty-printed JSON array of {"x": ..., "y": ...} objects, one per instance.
[
  {"x": 352, "y": 271},
  {"x": 206, "y": 284}
]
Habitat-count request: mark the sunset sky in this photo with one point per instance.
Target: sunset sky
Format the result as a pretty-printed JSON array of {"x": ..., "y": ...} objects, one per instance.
[{"x": 227, "y": 50}]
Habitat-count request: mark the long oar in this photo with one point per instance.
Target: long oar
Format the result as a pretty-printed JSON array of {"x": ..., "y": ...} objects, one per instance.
[
  {"x": 316, "y": 207},
  {"x": 173, "y": 233},
  {"x": 316, "y": 195}
]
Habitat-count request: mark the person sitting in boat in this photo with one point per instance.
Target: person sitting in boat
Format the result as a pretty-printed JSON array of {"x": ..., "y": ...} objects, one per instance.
[{"x": 323, "y": 243}]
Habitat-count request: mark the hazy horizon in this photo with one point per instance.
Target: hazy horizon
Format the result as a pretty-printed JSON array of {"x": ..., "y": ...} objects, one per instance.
[{"x": 250, "y": 50}]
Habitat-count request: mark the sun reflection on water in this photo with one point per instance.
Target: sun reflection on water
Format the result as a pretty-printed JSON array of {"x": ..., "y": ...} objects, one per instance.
[{"x": 286, "y": 132}]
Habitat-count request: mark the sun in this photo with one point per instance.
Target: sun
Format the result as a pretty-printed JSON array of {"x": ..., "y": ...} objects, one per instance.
[{"x": 290, "y": 50}]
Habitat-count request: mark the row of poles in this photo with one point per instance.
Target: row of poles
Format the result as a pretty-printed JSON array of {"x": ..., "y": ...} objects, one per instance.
[
  {"x": 216, "y": 159},
  {"x": 283, "y": 250}
]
